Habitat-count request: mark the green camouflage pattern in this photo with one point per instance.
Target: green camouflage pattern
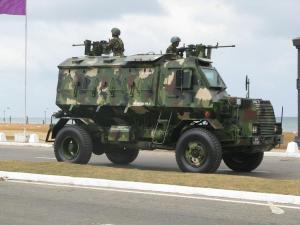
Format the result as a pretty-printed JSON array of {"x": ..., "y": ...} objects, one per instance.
[
  {"x": 116, "y": 45},
  {"x": 149, "y": 100},
  {"x": 172, "y": 49},
  {"x": 119, "y": 134}
]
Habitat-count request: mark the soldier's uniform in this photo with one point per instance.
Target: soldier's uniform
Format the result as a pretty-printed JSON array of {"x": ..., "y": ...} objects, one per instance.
[
  {"x": 172, "y": 49},
  {"x": 116, "y": 44}
]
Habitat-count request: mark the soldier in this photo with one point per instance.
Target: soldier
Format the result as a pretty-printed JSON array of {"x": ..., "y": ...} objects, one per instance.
[
  {"x": 173, "y": 47},
  {"x": 116, "y": 44}
]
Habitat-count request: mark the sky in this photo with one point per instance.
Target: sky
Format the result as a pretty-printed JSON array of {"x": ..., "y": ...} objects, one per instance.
[{"x": 261, "y": 30}]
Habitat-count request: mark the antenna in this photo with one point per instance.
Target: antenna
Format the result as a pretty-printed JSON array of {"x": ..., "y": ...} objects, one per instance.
[
  {"x": 281, "y": 115},
  {"x": 247, "y": 85}
]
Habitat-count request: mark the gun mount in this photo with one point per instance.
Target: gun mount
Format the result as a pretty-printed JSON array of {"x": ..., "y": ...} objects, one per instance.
[
  {"x": 200, "y": 50},
  {"x": 95, "y": 48}
]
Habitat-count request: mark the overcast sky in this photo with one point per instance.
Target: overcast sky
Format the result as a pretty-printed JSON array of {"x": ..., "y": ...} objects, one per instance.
[{"x": 262, "y": 31}]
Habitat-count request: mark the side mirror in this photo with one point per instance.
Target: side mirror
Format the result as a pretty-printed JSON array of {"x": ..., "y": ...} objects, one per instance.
[{"x": 184, "y": 79}]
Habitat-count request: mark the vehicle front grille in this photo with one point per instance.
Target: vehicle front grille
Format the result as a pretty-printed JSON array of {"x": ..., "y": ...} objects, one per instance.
[{"x": 265, "y": 117}]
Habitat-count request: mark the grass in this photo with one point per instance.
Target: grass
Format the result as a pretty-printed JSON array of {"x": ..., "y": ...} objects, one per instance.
[{"x": 221, "y": 181}]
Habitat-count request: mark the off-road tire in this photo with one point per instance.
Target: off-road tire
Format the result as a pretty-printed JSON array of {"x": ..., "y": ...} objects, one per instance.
[
  {"x": 122, "y": 156},
  {"x": 243, "y": 162},
  {"x": 210, "y": 144},
  {"x": 79, "y": 136}
]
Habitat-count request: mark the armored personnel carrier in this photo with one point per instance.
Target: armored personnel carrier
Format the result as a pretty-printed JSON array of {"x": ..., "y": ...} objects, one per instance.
[{"x": 119, "y": 105}]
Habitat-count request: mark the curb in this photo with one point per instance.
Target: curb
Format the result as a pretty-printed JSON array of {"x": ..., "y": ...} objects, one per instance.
[
  {"x": 162, "y": 188},
  {"x": 26, "y": 144}
]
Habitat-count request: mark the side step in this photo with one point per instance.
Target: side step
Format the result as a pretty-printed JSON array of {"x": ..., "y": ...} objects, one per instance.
[{"x": 166, "y": 124}]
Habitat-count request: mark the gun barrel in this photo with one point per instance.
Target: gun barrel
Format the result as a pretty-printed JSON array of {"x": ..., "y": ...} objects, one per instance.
[
  {"x": 75, "y": 45},
  {"x": 226, "y": 46}
]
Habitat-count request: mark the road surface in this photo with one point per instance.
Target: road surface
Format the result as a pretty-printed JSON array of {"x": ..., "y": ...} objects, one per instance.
[{"x": 34, "y": 204}]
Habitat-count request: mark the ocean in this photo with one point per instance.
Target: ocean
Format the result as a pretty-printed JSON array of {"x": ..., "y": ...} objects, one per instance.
[
  {"x": 31, "y": 120},
  {"x": 289, "y": 124}
]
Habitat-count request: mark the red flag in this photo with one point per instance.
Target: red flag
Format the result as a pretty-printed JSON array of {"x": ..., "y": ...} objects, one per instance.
[{"x": 13, "y": 7}]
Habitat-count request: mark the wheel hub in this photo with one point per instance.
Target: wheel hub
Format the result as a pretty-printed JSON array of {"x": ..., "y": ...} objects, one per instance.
[
  {"x": 70, "y": 148},
  {"x": 195, "y": 154}
]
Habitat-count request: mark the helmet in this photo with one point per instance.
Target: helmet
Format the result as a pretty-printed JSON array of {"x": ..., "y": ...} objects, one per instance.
[
  {"x": 115, "y": 31},
  {"x": 175, "y": 39}
]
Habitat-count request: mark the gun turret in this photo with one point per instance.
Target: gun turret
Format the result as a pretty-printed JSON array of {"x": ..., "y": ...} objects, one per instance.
[
  {"x": 95, "y": 48},
  {"x": 201, "y": 51}
]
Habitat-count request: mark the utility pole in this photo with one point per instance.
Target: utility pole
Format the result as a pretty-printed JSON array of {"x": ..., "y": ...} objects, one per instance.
[
  {"x": 4, "y": 114},
  {"x": 45, "y": 114},
  {"x": 247, "y": 83},
  {"x": 296, "y": 43}
]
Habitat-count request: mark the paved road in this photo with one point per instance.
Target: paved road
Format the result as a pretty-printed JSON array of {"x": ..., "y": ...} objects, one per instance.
[
  {"x": 272, "y": 167},
  {"x": 31, "y": 204}
]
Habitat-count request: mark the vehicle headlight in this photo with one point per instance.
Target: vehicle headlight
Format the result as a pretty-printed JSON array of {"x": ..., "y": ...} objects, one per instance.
[
  {"x": 254, "y": 129},
  {"x": 277, "y": 128}
]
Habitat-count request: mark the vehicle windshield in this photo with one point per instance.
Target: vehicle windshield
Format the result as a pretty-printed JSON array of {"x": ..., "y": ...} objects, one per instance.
[{"x": 213, "y": 78}]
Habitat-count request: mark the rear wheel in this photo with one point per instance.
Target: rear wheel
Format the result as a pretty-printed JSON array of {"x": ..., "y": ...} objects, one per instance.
[
  {"x": 198, "y": 150},
  {"x": 73, "y": 144},
  {"x": 122, "y": 156},
  {"x": 243, "y": 162},
  {"x": 98, "y": 148}
]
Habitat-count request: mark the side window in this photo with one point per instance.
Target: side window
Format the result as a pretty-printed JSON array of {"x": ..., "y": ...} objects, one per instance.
[{"x": 184, "y": 79}]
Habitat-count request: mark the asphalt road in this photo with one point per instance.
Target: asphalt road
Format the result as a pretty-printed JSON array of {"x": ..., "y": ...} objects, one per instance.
[
  {"x": 271, "y": 167},
  {"x": 32, "y": 204}
]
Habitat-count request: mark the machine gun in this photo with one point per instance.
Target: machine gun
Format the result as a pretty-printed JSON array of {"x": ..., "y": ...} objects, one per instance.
[
  {"x": 95, "y": 48},
  {"x": 201, "y": 51}
]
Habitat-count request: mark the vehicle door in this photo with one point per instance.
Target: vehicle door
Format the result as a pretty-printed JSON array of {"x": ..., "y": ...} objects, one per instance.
[{"x": 176, "y": 86}]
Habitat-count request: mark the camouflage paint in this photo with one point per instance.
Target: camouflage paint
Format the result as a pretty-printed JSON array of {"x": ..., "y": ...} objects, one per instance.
[{"x": 140, "y": 92}]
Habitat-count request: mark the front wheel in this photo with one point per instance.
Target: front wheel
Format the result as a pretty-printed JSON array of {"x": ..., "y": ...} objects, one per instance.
[
  {"x": 243, "y": 162},
  {"x": 122, "y": 156},
  {"x": 198, "y": 150},
  {"x": 73, "y": 144}
]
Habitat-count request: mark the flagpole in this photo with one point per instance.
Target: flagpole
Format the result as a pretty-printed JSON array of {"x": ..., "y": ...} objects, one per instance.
[{"x": 25, "y": 78}]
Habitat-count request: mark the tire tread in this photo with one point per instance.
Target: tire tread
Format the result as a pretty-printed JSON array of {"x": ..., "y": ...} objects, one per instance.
[
  {"x": 212, "y": 140},
  {"x": 87, "y": 144}
]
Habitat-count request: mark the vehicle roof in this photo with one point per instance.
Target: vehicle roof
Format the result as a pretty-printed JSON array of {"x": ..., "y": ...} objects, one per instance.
[{"x": 98, "y": 61}]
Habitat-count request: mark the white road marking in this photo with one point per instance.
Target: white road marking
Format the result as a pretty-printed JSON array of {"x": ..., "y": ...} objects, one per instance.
[
  {"x": 27, "y": 144},
  {"x": 44, "y": 157},
  {"x": 282, "y": 154},
  {"x": 275, "y": 209},
  {"x": 158, "y": 194}
]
